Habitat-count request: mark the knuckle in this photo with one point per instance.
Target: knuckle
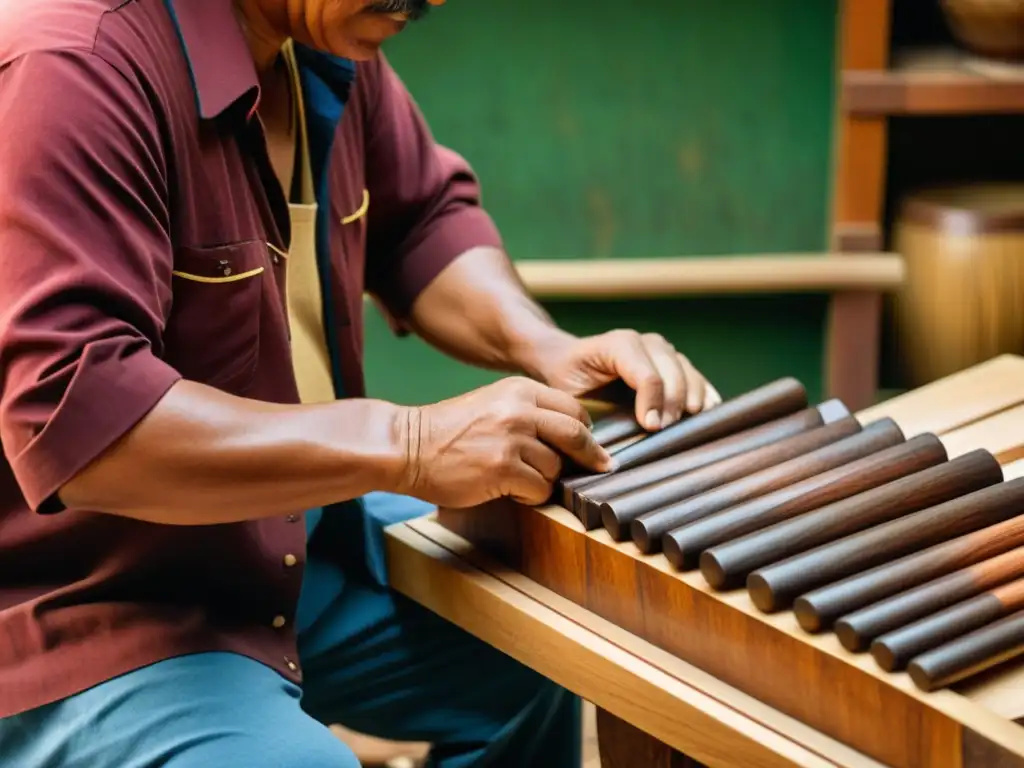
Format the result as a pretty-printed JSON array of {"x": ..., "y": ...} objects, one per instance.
[
  {"x": 656, "y": 339},
  {"x": 623, "y": 336},
  {"x": 577, "y": 434},
  {"x": 653, "y": 382},
  {"x": 510, "y": 414},
  {"x": 507, "y": 457},
  {"x": 521, "y": 384}
]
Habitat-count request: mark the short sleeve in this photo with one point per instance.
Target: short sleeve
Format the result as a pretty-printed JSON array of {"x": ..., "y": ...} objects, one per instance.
[
  {"x": 426, "y": 199},
  {"x": 85, "y": 265}
]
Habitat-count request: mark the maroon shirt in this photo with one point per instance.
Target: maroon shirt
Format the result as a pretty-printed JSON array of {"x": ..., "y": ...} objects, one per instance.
[{"x": 136, "y": 205}]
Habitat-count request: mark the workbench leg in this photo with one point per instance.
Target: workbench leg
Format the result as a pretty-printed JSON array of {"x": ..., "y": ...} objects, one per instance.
[
  {"x": 623, "y": 746},
  {"x": 854, "y": 328}
]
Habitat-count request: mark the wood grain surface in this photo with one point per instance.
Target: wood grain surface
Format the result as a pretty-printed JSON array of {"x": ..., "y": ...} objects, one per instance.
[
  {"x": 776, "y": 586},
  {"x": 751, "y": 409},
  {"x": 618, "y": 512},
  {"x": 828, "y": 460},
  {"x": 982, "y": 649},
  {"x": 587, "y": 501},
  {"x": 729, "y": 564},
  {"x": 858, "y": 629},
  {"x": 862, "y": 590},
  {"x": 683, "y": 546},
  {"x": 894, "y": 650}
]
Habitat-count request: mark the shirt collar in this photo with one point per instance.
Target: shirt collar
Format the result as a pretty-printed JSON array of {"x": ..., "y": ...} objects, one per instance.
[{"x": 222, "y": 69}]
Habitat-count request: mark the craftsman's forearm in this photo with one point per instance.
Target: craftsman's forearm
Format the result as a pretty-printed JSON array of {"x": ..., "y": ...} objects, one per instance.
[
  {"x": 478, "y": 311},
  {"x": 202, "y": 457}
]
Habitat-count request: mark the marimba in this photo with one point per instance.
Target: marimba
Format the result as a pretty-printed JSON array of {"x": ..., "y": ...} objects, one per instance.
[{"x": 861, "y": 573}]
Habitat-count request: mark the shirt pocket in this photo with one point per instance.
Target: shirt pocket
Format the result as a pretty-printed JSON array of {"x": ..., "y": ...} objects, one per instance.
[{"x": 213, "y": 331}]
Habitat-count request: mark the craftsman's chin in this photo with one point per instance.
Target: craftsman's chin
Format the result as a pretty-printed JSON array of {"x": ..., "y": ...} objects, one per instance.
[{"x": 365, "y": 37}]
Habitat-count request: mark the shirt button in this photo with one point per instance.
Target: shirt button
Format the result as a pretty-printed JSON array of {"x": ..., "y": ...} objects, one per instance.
[
  {"x": 279, "y": 621},
  {"x": 291, "y": 664},
  {"x": 290, "y": 560},
  {"x": 292, "y": 518}
]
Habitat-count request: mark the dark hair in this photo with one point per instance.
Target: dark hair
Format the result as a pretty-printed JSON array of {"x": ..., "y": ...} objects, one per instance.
[{"x": 415, "y": 8}]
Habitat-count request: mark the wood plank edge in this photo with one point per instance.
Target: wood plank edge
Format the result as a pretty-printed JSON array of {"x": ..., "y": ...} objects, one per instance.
[
  {"x": 669, "y": 710},
  {"x": 673, "y": 276}
]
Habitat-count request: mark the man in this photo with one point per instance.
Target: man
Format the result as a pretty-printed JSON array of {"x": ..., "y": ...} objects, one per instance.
[{"x": 194, "y": 196}]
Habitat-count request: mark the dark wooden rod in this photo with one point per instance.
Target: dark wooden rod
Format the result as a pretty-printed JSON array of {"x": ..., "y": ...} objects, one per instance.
[
  {"x": 776, "y": 586},
  {"x": 759, "y": 406},
  {"x": 620, "y": 511},
  {"x": 864, "y": 590},
  {"x": 894, "y": 650},
  {"x": 683, "y": 545},
  {"x": 857, "y": 630},
  {"x": 773, "y": 482},
  {"x": 616, "y": 428},
  {"x": 644, "y": 477},
  {"x": 969, "y": 655},
  {"x": 727, "y": 566},
  {"x": 632, "y": 480}
]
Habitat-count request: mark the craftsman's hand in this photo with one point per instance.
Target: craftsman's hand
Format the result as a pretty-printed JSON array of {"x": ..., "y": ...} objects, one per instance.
[
  {"x": 666, "y": 383},
  {"x": 506, "y": 439}
]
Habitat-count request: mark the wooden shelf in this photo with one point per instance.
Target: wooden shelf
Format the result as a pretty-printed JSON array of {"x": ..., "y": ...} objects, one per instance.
[
  {"x": 935, "y": 82},
  {"x": 726, "y": 275}
]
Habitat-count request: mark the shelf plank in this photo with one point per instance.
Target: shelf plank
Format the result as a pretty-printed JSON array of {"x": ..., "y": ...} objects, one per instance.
[
  {"x": 725, "y": 275},
  {"x": 935, "y": 82}
]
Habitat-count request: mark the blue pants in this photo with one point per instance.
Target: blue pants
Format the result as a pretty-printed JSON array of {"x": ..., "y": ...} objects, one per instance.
[{"x": 372, "y": 660}]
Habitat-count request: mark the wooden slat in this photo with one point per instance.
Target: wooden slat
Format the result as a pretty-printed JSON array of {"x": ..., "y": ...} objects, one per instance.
[
  {"x": 1002, "y": 434},
  {"x": 587, "y": 655},
  {"x": 934, "y": 82},
  {"x": 956, "y": 401},
  {"x": 648, "y": 278}
]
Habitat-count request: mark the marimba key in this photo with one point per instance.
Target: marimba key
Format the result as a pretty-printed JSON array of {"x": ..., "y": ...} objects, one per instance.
[
  {"x": 587, "y": 502},
  {"x": 684, "y": 545},
  {"x": 857, "y": 630},
  {"x": 829, "y": 460},
  {"x": 862, "y": 590},
  {"x": 759, "y": 406},
  {"x": 727, "y": 565},
  {"x": 619, "y": 512},
  {"x": 775, "y": 587},
  {"x": 969, "y": 655},
  {"x": 895, "y": 649}
]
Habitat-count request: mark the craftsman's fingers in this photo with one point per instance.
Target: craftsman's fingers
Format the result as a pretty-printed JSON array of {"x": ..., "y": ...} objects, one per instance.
[
  {"x": 696, "y": 385},
  {"x": 711, "y": 396},
  {"x": 671, "y": 367},
  {"x": 541, "y": 458},
  {"x": 573, "y": 439},
  {"x": 527, "y": 486},
  {"x": 627, "y": 357},
  {"x": 562, "y": 402}
]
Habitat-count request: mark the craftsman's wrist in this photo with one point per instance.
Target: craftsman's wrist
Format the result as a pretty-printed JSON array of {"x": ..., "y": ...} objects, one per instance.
[
  {"x": 539, "y": 350},
  {"x": 372, "y": 444},
  {"x": 404, "y": 467}
]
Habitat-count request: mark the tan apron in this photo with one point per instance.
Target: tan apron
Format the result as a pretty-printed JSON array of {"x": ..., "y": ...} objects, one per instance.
[{"x": 311, "y": 359}]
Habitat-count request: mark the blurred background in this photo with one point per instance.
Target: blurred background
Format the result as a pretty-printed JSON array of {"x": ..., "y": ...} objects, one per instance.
[{"x": 787, "y": 130}]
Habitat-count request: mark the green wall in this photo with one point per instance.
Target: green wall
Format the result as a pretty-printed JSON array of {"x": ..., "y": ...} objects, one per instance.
[{"x": 612, "y": 129}]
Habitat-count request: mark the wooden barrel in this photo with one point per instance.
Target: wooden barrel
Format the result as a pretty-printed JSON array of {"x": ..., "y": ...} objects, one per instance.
[
  {"x": 963, "y": 299},
  {"x": 992, "y": 28}
]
